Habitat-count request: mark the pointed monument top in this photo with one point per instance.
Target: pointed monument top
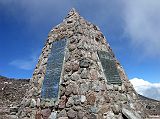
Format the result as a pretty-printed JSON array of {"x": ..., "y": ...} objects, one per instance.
[
  {"x": 73, "y": 10},
  {"x": 73, "y": 13}
]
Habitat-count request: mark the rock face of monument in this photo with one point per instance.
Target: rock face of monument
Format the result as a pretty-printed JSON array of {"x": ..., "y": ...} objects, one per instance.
[{"x": 78, "y": 77}]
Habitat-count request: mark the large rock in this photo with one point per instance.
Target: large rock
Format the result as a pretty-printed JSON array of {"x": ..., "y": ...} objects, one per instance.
[
  {"x": 14, "y": 109},
  {"x": 53, "y": 115},
  {"x": 129, "y": 114},
  {"x": 46, "y": 113},
  {"x": 84, "y": 63},
  {"x": 72, "y": 114}
]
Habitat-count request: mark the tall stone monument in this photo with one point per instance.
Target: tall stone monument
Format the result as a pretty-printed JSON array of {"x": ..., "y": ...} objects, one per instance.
[{"x": 79, "y": 77}]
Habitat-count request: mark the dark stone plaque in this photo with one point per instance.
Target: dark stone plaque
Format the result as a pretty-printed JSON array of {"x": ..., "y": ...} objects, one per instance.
[
  {"x": 109, "y": 68},
  {"x": 50, "y": 85}
]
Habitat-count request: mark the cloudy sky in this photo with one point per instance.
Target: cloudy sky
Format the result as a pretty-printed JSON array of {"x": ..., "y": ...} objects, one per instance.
[{"x": 132, "y": 28}]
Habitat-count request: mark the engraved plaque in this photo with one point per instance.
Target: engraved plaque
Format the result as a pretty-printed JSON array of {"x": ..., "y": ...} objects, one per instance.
[
  {"x": 50, "y": 85},
  {"x": 109, "y": 68}
]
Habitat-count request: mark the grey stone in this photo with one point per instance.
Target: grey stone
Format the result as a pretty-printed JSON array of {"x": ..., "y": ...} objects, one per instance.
[
  {"x": 110, "y": 87},
  {"x": 63, "y": 118},
  {"x": 115, "y": 87},
  {"x": 129, "y": 114},
  {"x": 85, "y": 45},
  {"x": 38, "y": 114},
  {"x": 66, "y": 78},
  {"x": 123, "y": 88},
  {"x": 84, "y": 63},
  {"x": 80, "y": 114},
  {"x": 80, "y": 46},
  {"x": 122, "y": 97},
  {"x": 46, "y": 113},
  {"x": 134, "y": 96},
  {"x": 75, "y": 77},
  {"x": 67, "y": 56},
  {"x": 72, "y": 40},
  {"x": 26, "y": 102},
  {"x": 77, "y": 107},
  {"x": 77, "y": 100},
  {"x": 53, "y": 115},
  {"x": 93, "y": 109},
  {"x": 75, "y": 89},
  {"x": 62, "y": 113},
  {"x": 94, "y": 56},
  {"x": 26, "y": 118},
  {"x": 94, "y": 84},
  {"x": 70, "y": 102},
  {"x": 83, "y": 98},
  {"x": 132, "y": 105},
  {"x": 129, "y": 97},
  {"x": 67, "y": 67},
  {"x": 116, "y": 109},
  {"x": 49, "y": 103},
  {"x": 62, "y": 90},
  {"x": 72, "y": 114},
  {"x": 93, "y": 74},
  {"x": 72, "y": 47},
  {"x": 102, "y": 86},
  {"x": 108, "y": 115},
  {"x": 91, "y": 98},
  {"x": 75, "y": 66},
  {"x": 38, "y": 102},
  {"x": 85, "y": 117},
  {"x": 93, "y": 116},
  {"x": 68, "y": 90},
  {"x": 120, "y": 116},
  {"x": 12, "y": 117},
  {"x": 12, "y": 113},
  {"x": 14, "y": 109},
  {"x": 84, "y": 74},
  {"x": 84, "y": 87},
  {"x": 71, "y": 88},
  {"x": 62, "y": 102}
]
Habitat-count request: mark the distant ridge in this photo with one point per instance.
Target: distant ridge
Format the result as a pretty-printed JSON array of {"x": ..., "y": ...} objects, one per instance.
[
  {"x": 2, "y": 76},
  {"x": 8, "y": 78},
  {"x": 147, "y": 98}
]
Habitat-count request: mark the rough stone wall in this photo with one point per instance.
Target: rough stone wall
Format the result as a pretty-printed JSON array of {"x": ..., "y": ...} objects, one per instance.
[{"x": 84, "y": 92}]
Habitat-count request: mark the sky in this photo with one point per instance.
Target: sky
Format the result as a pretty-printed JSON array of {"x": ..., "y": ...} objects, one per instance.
[{"x": 132, "y": 29}]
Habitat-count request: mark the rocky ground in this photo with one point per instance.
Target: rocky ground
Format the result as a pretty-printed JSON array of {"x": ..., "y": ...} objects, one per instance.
[
  {"x": 13, "y": 90},
  {"x": 151, "y": 106},
  {"x": 11, "y": 93}
]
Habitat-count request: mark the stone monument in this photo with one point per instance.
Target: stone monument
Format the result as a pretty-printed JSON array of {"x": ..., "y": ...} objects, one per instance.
[{"x": 79, "y": 77}]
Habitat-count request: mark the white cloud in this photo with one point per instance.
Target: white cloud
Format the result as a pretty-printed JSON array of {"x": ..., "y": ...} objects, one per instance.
[
  {"x": 25, "y": 64},
  {"x": 148, "y": 89},
  {"x": 142, "y": 20}
]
